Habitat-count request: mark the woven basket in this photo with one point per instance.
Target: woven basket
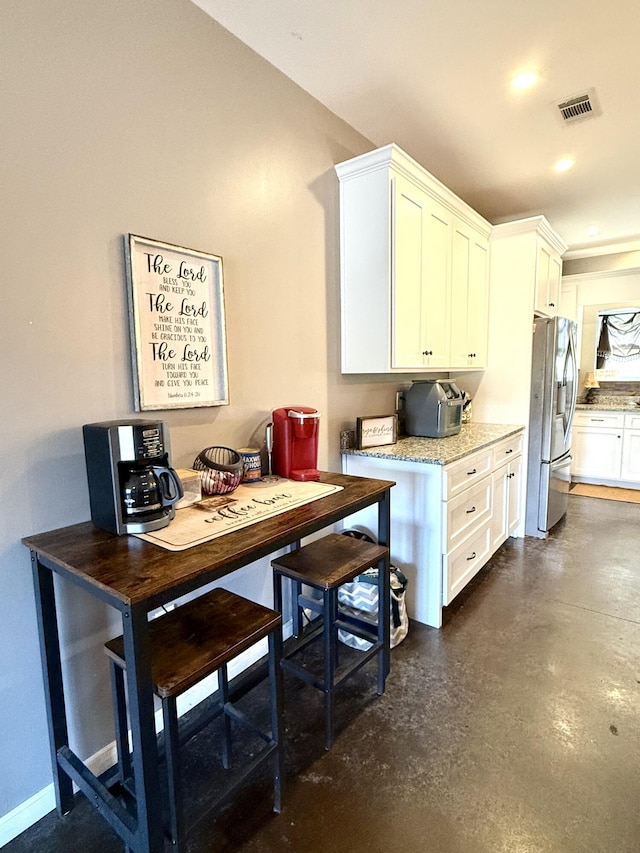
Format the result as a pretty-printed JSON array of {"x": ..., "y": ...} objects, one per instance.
[{"x": 220, "y": 470}]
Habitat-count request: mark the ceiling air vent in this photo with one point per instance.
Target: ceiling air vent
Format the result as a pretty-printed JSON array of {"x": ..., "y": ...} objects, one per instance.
[{"x": 579, "y": 107}]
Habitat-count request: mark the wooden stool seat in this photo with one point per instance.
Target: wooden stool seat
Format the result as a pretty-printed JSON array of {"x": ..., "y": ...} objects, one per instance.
[
  {"x": 198, "y": 638},
  {"x": 188, "y": 644},
  {"x": 325, "y": 565},
  {"x": 331, "y": 561}
]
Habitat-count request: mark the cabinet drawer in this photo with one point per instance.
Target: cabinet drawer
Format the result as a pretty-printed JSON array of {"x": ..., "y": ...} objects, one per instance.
[
  {"x": 507, "y": 449},
  {"x": 461, "y": 565},
  {"x": 464, "y": 513},
  {"x": 632, "y": 421},
  {"x": 613, "y": 420},
  {"x": 464, "y": 473}
]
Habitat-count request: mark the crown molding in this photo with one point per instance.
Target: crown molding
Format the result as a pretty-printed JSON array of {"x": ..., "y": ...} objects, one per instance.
[{"x": 608, "y": 249}]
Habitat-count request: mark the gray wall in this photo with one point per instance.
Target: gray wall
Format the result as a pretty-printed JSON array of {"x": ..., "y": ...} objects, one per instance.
[{"x": 147, "y": 118}]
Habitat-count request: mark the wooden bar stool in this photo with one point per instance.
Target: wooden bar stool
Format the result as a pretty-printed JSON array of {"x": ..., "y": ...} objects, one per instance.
[
  {"x": 325, "y": 565},
  {"x": 188, "y": 644}
]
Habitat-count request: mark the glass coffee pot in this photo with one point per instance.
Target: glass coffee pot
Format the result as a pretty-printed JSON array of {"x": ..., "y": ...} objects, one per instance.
[{"x": 149, "y": 488}]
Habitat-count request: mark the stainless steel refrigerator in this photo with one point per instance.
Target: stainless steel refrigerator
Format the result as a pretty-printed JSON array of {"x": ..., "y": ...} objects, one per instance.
[{"x": 553, "y": 401}]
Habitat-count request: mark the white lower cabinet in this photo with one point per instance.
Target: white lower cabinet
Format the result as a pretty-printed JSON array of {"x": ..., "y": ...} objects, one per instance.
[
  {"x": 461, "y": 565},
  {"x": 507, "y": 490},
  {"x": 606, "y": 448},
  {"x": 630, "y": 468},
  {"x": 514, "y": 497},
  {"x": 597, "y": 452},
  {"x": 446, "y": 520}
]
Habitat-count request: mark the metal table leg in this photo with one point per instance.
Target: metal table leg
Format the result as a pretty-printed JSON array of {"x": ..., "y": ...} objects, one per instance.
[
  {"x": 149, "y": 832},
  {"x": 384, "y": 538},
  {"x": 52, "y": 676}
]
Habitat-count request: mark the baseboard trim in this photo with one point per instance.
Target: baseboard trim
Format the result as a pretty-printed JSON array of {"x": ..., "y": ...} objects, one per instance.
[{"x": 26, "y": 814}]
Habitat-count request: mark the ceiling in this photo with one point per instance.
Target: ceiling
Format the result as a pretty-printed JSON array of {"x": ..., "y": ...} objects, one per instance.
[{"x": 434, "y": 76}]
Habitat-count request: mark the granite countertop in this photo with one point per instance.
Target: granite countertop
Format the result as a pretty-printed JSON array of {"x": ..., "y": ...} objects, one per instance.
[
  {"x": 441, "y": 451},
  {"x": 610, "y": 403},
  {"x": 619, "y": 406}
]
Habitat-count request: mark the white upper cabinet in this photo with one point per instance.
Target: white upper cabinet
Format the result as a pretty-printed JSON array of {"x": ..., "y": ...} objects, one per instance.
[
  {"x": 526, "y": 255},
  {"x": 414, "y": 269},
  {"x": 421, "y": 232},
  {"x": 548, "y": 279},
  {"x": 469, "y": 297}
]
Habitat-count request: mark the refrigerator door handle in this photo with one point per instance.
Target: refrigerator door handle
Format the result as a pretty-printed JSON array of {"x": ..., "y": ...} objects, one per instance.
[{"x": 572, "y": 355}]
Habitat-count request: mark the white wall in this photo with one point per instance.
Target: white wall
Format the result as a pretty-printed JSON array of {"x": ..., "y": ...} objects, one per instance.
[{"x": 146, "y": 118}]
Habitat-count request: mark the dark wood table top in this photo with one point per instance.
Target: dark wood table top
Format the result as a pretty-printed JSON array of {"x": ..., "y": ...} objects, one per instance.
[{"x": 126, "y": 570}]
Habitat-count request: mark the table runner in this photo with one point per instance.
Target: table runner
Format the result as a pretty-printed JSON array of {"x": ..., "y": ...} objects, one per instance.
[{"x": 250, "y": 502}]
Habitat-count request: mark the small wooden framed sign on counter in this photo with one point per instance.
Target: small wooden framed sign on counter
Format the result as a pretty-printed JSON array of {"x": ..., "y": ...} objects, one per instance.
[
  {"x": 376, "y": 430},
  {"x": 177, "y": 322}
]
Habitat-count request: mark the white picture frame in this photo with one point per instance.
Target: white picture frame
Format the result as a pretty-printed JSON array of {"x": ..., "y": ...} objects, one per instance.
[{"x": 177, "y": 326}]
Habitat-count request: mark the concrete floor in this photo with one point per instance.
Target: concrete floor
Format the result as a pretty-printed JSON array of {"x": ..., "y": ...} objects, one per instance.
[{"x": 514, "y": 729}]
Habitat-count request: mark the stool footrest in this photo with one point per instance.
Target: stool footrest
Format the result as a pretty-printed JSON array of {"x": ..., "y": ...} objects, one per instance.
[
  {"x": 310, "y": 603},
  {"x": 241, "y": 718},
  {"x": 302, "y": 673},
  {"x": 317, "y": 681},
  {"x": 108, "y": 805},
  {"x": 359, "y": 630}
]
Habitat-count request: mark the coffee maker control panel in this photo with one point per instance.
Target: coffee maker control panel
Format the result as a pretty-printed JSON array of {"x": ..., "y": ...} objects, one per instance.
[
  {"x": 149, "y": 443},
  {"x": 139, "y": 442}
]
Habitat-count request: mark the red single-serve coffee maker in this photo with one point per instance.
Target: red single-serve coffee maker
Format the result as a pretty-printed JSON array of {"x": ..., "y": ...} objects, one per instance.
[{"x": 295, "y": 442}]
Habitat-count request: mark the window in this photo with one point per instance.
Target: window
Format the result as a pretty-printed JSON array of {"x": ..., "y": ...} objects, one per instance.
[{"x": 618, "y": 344}]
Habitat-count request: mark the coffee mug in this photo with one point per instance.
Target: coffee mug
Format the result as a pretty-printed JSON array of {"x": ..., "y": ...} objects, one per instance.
[{"x": 252, "y": 464}]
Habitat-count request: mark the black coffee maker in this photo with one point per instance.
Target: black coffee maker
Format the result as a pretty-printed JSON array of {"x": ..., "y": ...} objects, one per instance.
[{"x": 132, "y": 488}]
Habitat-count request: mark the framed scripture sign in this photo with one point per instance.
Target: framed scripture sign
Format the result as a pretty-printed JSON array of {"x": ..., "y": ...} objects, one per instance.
[
  {"x": 376, "y": 430},
  {"x": 177, "y": 321}
]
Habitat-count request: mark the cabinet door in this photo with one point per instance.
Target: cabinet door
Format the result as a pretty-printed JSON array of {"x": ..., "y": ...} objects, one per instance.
[
  {"x": 469, "y": 297},
  {"x": 548, "y": 278},
  {"x": 500, "y": 507},
  {"x": 507, "y": 501},
  {"x": 555, "y": 284},
  {"x": 597, "y": 452},
  {"x": 460, "y": 273},
  {"x": 631, "y": 455},
  {"x": 514, "y": 499},
  {"x": 542, "y": 278},
  {"x": 420, "y": 279},
  {"x": 436, "y": 302},
  {"x": 478, "y": 302},
  {"x": 409, "y": 227}
]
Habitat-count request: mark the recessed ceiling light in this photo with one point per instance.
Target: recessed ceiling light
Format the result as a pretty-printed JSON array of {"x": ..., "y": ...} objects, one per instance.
[
  {"x": 593, "y": 230},
  {"x": 524, "y": 80},
  {"x": 564, "y": 164}
]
